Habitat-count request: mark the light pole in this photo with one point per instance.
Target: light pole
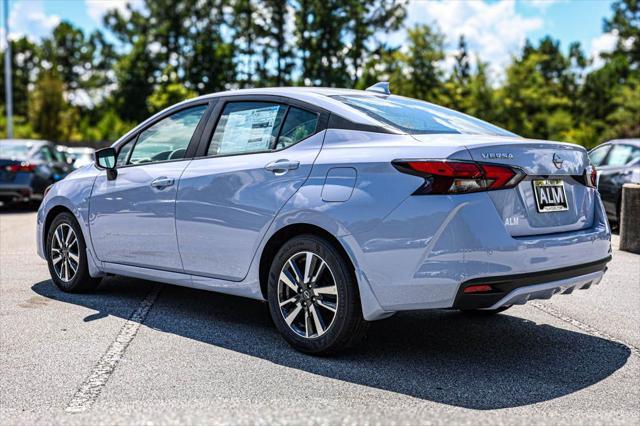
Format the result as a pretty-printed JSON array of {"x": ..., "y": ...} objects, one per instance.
[{"x": 8, "y": 89}]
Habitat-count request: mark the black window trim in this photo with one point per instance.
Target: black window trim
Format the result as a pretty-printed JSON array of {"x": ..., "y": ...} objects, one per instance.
[
  {"x": 193, "y": 143},
  {"x": 207, "y": 135}
]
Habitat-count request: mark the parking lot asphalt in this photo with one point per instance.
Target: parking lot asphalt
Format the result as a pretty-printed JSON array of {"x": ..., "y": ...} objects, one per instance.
[{"x": 138, "y": 352}]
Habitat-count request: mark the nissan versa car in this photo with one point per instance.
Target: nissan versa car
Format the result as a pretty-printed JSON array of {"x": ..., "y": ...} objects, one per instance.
[{"x": 337, "y": 207}]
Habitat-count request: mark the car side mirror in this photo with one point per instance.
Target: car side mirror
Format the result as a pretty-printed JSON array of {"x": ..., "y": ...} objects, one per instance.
[{"x": 105, "y": 159}]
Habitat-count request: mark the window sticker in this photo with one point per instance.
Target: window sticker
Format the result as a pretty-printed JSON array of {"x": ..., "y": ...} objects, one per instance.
[{"x": 249, "y": 130}]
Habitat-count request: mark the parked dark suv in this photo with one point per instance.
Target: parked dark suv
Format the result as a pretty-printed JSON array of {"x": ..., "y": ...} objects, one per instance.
[
  {"x": 27, "y": 167},
  {"x": 618, "y": 162}
]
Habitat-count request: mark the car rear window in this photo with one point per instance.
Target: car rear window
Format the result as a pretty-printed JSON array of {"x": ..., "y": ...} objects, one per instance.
[
  {"x": 419, "y": 117},
  {"x": 14, "y": 150}
]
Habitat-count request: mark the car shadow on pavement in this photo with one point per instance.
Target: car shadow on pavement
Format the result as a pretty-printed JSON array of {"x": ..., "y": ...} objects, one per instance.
[
  {"x": 19, "y": 208},
  {"x": 442, "y": 356}
]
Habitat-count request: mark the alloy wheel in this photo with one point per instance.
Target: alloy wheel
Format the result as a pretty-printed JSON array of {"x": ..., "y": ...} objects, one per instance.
[
  {"x": 65, "y": 252},
  {"x": 307, "y": 294}
]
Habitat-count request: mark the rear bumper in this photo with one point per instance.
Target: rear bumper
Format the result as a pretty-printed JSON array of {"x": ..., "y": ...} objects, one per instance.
[
  {"x": 428, "y": 248},
  {"x": 518, "y": 289},
  {"x": 16, "y": 192}
]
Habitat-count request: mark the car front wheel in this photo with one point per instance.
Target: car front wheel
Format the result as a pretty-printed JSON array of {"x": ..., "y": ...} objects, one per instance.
[
  {"x": 66, "y": 255},
  {"x": 313, "y": 297}
]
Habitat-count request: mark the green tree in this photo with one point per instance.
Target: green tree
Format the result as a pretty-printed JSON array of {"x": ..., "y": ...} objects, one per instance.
[
  {"x": 625, "y": 22},
  {"x": 457, "y": 87},
  {"x": 482, "y": 101},
  {"x": 47, "y": 106},
  {"x": 25, "y": 60},
  {"x": 277, "y": 52},
  {"x": 333, "y": 37},
  {"x": 185, "y": 35},
  {"x": 423, "y": 71},
  {"x": 82, "y": 62},
  {"x": 170, "y": 91}
]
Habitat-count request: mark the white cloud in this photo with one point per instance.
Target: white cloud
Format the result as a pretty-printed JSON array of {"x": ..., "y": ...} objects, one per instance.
[
  {"x": 604, "y": 43},
  {"x": 494, "y": 31},
  {"x": 29, "y": 18},
  {"x": 96, "y": 9}
]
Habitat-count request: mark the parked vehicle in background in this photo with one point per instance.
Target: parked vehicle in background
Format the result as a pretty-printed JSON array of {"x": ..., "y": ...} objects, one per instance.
[
  {"x": 27, "y": 168},
  {"x": 81, "y": 156},
  {"x": 63, "y": 157},
  {"x": 618, "y": 162},
  {"x": 335, "y": 206}
]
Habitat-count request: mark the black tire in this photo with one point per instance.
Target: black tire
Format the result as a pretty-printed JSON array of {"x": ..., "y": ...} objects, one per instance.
[
  {"x": 347, "y": 327},
  {"x": 484, "y": 312},
  {"x": 81, "y": 281}
]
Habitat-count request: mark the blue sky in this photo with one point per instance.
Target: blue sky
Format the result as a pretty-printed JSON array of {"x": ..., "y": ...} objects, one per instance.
[{"x": 495, "y": 29}]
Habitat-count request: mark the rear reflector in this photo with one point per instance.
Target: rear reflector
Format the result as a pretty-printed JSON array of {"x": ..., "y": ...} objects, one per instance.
[
  {"x": 479, "y": 288},
  {"x": 454, "y": 177}
]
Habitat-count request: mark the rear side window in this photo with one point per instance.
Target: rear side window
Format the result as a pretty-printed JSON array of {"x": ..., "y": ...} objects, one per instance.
[
  {"x": 298, "y": 125},
  {"x": 168, "y": 139},
  {"x": 419, "y": 117},
  {"x": 246, "y": 127}
]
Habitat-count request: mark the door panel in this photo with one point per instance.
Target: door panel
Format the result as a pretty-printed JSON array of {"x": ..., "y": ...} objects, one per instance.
[
  {"x": 132, "y": 217},
  {"x": 226, "y": 204}
]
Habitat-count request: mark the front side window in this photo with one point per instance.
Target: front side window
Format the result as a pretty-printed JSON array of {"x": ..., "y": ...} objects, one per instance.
[
  {"x": 168, "y": 139},
  {"x": 45, "y": 154},
  {"x": 298, "y": 125},
  {"x": 419, "y": 117},
  {"x": 123, "y": 153},
  {"x": 597, "y": 155},
  {"x": 246, "y": 127}
]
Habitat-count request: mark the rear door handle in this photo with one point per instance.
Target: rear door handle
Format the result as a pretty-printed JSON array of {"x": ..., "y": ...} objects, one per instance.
[
  {"x": 282, "y": 166},
  {"x": 162, "y": 182}
]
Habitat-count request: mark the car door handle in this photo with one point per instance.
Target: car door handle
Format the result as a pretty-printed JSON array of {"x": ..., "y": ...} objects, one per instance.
[
  {"x": 282, "y": 166},
  {"x": 162, "y": 182}
]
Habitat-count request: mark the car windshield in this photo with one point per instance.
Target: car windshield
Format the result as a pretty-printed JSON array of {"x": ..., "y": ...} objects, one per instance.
[
  {"x": 14, "y": 150},
  {"x": 419, "y": 117}
]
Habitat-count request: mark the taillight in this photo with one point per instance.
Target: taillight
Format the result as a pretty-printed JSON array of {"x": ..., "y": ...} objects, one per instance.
[
  {"x": 455, "y": 177},
  {"x": 591, "y": 177},
  {"x": 22, "y": 167}
]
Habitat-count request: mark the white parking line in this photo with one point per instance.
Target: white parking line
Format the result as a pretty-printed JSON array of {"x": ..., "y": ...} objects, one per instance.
[
  {"x": 584, "y": 327},
  {"x": 90, "y": 390}
]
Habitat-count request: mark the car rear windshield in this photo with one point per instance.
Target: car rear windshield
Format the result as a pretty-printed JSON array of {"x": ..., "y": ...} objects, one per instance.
[
  {"x": 419, "y": 117},
  {"x": 14, "y": 150}
]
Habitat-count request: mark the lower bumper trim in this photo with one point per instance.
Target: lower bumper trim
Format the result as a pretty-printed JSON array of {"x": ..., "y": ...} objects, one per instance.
[{"x": 518, "y": 289}]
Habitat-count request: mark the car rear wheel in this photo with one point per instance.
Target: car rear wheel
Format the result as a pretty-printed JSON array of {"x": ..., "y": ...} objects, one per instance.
[
  {"x": 313, "y": 297},
  {"x": 66, "y": 256}
]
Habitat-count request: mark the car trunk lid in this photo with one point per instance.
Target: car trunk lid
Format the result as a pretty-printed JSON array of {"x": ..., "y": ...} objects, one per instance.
[{"x": 552, "y": 198}]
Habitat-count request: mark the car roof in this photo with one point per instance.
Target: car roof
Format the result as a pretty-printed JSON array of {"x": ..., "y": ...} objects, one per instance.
[
  {"x": 318, "y": 96},
  {"x": 80, "y": 149},
  {"x": 25, "y": 141},
  {"x": 634, "y": 142}
]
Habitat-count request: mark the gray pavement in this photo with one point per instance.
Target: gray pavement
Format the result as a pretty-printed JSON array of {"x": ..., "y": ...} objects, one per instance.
[{"x": 194, "y": 357}]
